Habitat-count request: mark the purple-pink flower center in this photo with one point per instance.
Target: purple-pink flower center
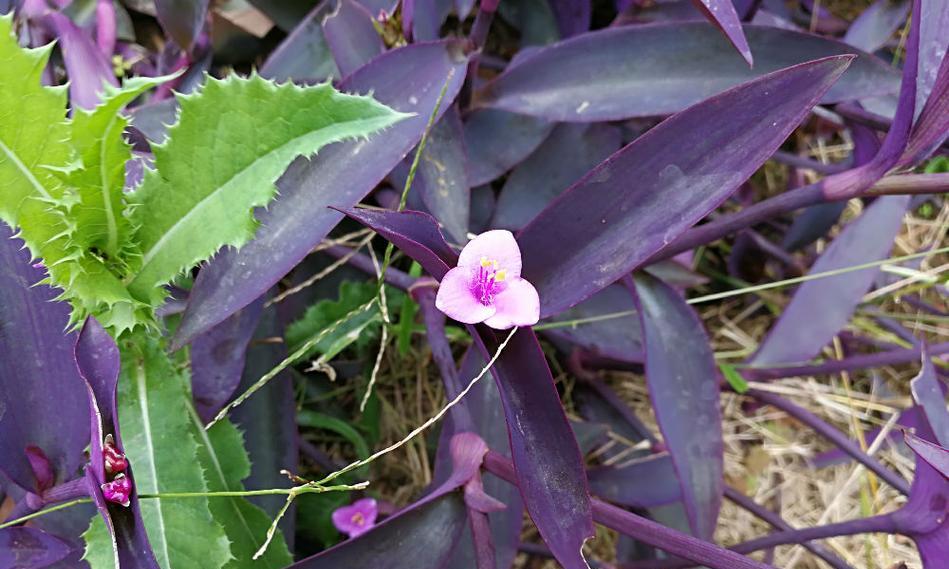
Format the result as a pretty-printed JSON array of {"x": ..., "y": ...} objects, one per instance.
[
  {"x": 488, "y": 281},
  {"x": 358, "y": 519}
]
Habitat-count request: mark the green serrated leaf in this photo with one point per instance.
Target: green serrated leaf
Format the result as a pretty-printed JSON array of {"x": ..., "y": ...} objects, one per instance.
[
  {"x": 100, "y": 182},
  {"x": 225, "y": 463},
  {"x": 232, "y": 141},
  {"x": 99, "y": 550},
  {"x": 160, "y": 443},
  {"x": 360, "y": 330}
]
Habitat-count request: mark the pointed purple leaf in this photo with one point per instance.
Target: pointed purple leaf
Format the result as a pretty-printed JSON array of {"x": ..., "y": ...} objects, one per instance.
[
  {"x": 41, "y": 394},
  {"x": 217, "y": 359},
  {"x": 88, "y": 69},
  {"x": 428, "y": 18},
  {"x": 722, "y": 13},
  {"x": 23, "y": 547},
  {"x": 409, "y": 79},
  {"x": 97, "y": 358},
  {"x": 643, "y": 483},
  {"x": 925, "y": 517},
  {"x": 569, "y": 152},
  {"x": 875, "y": 25},
  {"x": 932, "y": 126},
  {"x": 933, "y": 43},
  {"x": 930, "y": 396},
  {"x": 489, "y": 157},
  {"x": 351, "y": 36},
  {"x": 820, "y": 308},
  {"x": 549, "y": 466},
  {"x": 606, "y": 226},
  {"x": 637, "y": 71},
  {"x": 303, "y": 55},
  {"x": 182, "y": 19},
  {"x": 442, "y": 177},
  {"x": 415, "y": 233},
  {"x": 683, "y": 388}
]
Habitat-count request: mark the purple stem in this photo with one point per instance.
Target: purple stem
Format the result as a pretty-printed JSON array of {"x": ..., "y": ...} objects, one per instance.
[
  {"x": 476, "y": 39},
  {"x": 645, "y": 530},
  {"x": 105, "y": 27},
  {"x": 361, "y": 261},
  {"x": 833, "y": 435},
  {"x": 789, "y": 201},
  {"x": 890, "y": 357},
  {"x": 778, "y": 522},
  {"x": 481, "y": 536},
  {"x": 875, "y": 524},
  {"x": 31, "y": 502}
]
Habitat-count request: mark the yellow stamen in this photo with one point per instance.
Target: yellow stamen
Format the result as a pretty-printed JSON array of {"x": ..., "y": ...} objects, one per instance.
[
  {"x": 485, "y": 262},
  {"x": 358, "y": 519},
  {"x": 500, "y": 276}
]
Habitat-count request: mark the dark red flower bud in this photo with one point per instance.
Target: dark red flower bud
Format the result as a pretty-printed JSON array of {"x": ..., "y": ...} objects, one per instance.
[{"x": 115, "y": 461}]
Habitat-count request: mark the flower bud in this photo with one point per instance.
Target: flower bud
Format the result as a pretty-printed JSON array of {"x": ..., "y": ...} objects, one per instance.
[
  {"x": 118, "y": 491},
  {"x": 115, "y": 461}
]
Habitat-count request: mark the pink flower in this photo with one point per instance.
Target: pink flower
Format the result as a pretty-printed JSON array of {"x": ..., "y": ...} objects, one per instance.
[
  {"x": 357, "y": 518},
  {"x": 118, "y": 491},
  {"x": 486, "y": 286},
  {"x": 115, "y": 461}
]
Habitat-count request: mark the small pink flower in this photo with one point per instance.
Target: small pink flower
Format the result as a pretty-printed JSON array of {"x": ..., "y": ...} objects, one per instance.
[
  {"x": 486, "y": 286},
  {"x": 357, "y": 518},
  {"x": 118, "y": 491},
  {"x": 115, "y": 461}
]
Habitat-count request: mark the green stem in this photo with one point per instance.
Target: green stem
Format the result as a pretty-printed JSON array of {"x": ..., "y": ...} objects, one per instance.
[{"x": 45, "y": 511}]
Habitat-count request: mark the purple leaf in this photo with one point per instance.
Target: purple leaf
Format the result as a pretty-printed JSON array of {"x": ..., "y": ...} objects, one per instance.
[
  {"x": 303, "y": 55},
  {"x": 182, "y": 19},
  {"x": 722, "y": 13},
  {"x": 569, "y": 152},
  {"x": 643, "y": 483},
  {"x": 428, "y": 18},
  {"x": 549, "y": 467},
  {"x": 638, "y": 71},
  {"x": 925, "y": 517},
  {"x": 27, "y": 547},
  {"x": 87, "y": 67},
  {"x": 573, "y": 16},
  {"x": 442, "y": 177},
  {"x": 415, "y": 233},
  {"x": 419, "y": 537},
  {"x": 933, "y": 41},
  {"x": 351, "y": 37},
  {"x": 932, "y": 126},
  {"x": 619, "y": 339},
  {"x": 820, "y": 308},
  {"x": 875, "y": 25},
  {"x": 683, "y": 388},
  {"x": 930, "y": 397},
  {"x": 217, "y": 359},
  {"x": 933, "y": 454},
  {"x": 41, "y": 394},
  {"x": 606, "y": 227},
  {"x": 490, "y": 156},
  {"x": 97, "y": 358},
  {"x": 409, "y": 79}
]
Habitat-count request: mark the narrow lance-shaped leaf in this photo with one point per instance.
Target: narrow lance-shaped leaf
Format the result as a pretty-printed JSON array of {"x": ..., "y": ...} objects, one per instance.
[
  {"x": 185, "y": 210},
  {"x": 442, "y": 178},
  {"x": 351, "y": 36},
  {"x": 820, "y": 308},
  {"x": 638, "y": 71},
  {"x": 930, "y": 397},
  {"x": 182, "y": 19},
  {"x": 409, "y": 79},
  {"x": 683, "y": 387},
  {"x": 38, "y": 374},
  {"x": 488, "y": 156},
  {"x": 722, "y": 13},
  {"x": 117, "y": 538},
  {"x": 162, "y": 447},
  {"x": 88, "y": 68},
  {"x": 606, "y": 226}
]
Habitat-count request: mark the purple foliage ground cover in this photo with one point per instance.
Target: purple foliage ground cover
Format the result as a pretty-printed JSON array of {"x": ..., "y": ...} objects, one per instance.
[{"x": 570, "y": 179}]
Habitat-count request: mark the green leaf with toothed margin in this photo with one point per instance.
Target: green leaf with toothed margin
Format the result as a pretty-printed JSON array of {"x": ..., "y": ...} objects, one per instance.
[
  {"x": 222, "y": 455},
  {"x": 233, "y": 139},
  {"x": 99, "y": 548},
  {"x": 161, "y": 446}
]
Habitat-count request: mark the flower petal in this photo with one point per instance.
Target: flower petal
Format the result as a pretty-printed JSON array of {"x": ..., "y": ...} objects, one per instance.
[
  {"x": 498, "y": 245},
  {"x": 455, "y": 298},
  {"x": 517, "y": 305}
]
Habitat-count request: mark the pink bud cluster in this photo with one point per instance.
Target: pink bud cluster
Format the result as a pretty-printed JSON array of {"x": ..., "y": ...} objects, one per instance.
[{"x": 119, "y": 489}]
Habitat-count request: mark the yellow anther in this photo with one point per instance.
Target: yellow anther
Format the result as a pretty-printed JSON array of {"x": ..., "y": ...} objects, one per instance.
[
  {"x": 485, "y": 262},
  {"x": 500, "y": 276}
]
